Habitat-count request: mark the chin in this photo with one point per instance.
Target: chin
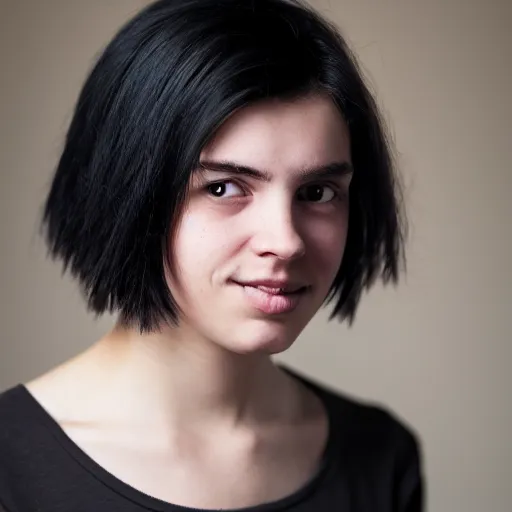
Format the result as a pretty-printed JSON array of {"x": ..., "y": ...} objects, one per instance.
[{"x": 263, "y": 338}]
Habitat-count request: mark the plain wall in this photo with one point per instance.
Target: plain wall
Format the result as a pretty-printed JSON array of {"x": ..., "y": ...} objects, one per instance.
[{"x": 437, "y": 348}]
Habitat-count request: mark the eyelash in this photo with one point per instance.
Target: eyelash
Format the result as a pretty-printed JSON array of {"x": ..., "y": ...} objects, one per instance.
[{"x": 338, "y": 194}]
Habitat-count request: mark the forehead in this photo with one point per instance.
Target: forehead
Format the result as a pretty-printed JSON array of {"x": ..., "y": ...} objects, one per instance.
[{"x": 283, "y": 135}]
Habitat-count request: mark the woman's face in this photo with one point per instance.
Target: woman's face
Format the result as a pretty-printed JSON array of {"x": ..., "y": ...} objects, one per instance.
[{"x": 262, "y": 234}]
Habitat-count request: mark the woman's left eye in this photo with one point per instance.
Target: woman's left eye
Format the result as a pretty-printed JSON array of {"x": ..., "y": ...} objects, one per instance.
[
  {"x": 317, "y": 193},
  {"x": 222, "y": 189}
]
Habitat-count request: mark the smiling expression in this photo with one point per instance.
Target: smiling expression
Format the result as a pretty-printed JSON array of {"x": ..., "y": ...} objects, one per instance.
[{"x": 263, "y": 230}]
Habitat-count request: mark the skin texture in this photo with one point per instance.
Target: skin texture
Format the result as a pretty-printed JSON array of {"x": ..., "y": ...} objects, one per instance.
[
  {"x": 248, "y": 228},
  {"x": 198, "y": 415}
]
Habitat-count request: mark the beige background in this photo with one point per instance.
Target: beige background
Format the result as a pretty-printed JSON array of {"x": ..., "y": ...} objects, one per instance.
[{"x": 437, "y": 349}]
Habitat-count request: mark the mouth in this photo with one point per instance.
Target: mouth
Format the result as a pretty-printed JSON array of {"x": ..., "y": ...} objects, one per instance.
[{"x": 270, "y": 299}]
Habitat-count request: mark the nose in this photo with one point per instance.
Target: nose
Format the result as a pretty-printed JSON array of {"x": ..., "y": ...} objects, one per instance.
[{"x": 276, "y": 233}]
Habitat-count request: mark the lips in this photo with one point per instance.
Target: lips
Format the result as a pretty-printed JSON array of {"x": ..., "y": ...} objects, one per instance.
[
  {"x": 274, "y": 286},
  {"x": 275, "y": 291},
  {"x": 273, "y": 297}
]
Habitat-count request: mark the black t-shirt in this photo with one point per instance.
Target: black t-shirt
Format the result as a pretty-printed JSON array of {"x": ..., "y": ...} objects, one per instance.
[{"x": 371, "y": 464}]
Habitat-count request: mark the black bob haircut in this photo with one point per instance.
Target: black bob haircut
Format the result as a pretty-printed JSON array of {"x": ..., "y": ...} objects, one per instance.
[{"x": 156, "y": 95}]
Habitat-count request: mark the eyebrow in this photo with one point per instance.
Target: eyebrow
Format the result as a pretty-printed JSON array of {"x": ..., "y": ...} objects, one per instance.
[{"x": 332, "y": 170}]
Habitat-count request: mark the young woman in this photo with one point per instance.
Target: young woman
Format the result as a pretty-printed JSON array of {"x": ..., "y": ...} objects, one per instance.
[{"x": 225, "y": 175}]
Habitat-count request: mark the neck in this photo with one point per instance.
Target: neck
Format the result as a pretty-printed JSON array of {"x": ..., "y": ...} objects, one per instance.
[{"x": 168, "y": 377}]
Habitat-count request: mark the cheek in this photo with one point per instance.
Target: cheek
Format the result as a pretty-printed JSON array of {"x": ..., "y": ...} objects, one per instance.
[
  {"x": 200, "y": 243},
  {"x": 191, "y": 242},
  {"x": 326, "y": 242}
]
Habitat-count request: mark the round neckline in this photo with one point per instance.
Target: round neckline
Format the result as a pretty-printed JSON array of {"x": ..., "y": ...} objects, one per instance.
[{"x": 152, "y": 503}]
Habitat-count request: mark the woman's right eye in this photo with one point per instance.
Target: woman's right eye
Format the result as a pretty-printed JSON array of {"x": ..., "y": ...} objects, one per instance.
[{"x": 222, "y": 189}]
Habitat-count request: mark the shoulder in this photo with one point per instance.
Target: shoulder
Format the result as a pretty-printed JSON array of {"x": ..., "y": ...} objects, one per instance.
[
  {"x": 374, "y": 424},
  {"x": 357, "y": 415},
  {"x": 17, "y": 429},
  {"x": 16, "y": 406},
  {"x": 368, "y": 427},
  {"x": 20, "y": 427},
  {"x": 14, "y": 411},
  {"x": 26, "y": 433},
  {"x": 374, "y": 444},
  {"x": 362, "y": 418},
  {"x": 373, "y": 433},
  {"x": 31, "y": 458}
]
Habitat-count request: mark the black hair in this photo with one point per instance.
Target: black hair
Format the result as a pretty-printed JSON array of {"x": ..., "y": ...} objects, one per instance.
[{"x": 154, "y": 98}]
